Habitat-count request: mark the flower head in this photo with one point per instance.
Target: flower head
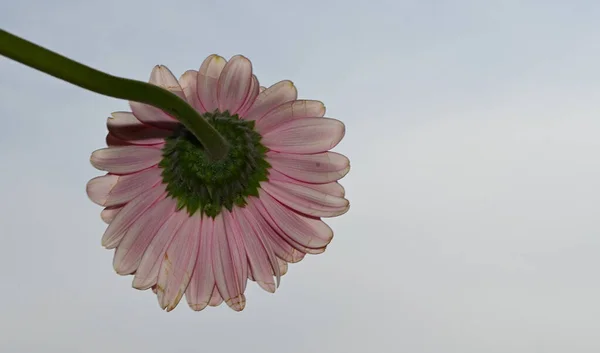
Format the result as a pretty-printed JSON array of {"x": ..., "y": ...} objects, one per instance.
[{"x": 183, "y": 224}]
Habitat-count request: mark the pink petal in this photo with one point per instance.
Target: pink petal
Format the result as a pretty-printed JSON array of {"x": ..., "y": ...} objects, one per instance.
[
  {"x": 189, "y": 84},
  {"x": 129, "y": 214},
  {"x": 112, "y": 141},
  {"x": 272, "y": 97},
  {"x": 215, "y": 298},
  {"x": 289, "y": 111},
  {"x": 146, "y": 275},
  {"x": 252, "y": 94},
  {"x": 125, "y": 126},
  {"x": 109, "y": 213},
  {"x": 262, "y": 88},
  {"x": 202, "y": 284},
  {"x": 126, "y": 159},
  {"x": 230, "y": 266},
  {"x": 306, "y": 200},
  {"x": 208, "y": 76},
  {"x": 178, "y": 264},
  {"x": 161, "y": 76},
  {"x": 314, "y": 168},
  {"x": 261, "y": 258},
  {"x": 308, "y": 135},
  {"x": 139, "y": 236},
  {"x": 306, "y": 231},
  {"x": 280, "y": 246},
  {"x": 234, "y": 84},
  {"x": 333, "y": 189},
  {"x": 112, "y": 190},
  {"x": 283, "y": 266}
]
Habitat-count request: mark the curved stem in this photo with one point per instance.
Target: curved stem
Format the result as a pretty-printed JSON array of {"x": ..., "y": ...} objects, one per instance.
[{"x": 83, "y": 76}]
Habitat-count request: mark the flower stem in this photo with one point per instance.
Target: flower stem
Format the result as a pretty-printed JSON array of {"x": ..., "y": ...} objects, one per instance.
[{"x": 56, "y": 65}]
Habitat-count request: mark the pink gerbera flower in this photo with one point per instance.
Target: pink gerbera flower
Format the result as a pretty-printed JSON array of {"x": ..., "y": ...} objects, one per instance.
[{"x": 183, "y": 224}]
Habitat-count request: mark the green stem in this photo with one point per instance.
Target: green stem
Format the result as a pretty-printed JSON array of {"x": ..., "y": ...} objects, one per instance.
[{"x": 83, "y": 76}]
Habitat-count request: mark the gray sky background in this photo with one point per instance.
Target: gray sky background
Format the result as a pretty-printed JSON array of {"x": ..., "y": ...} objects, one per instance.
[{"x": 472, "y": 128}]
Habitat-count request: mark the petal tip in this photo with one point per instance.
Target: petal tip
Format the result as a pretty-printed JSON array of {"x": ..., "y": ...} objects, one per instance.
[
  {"x": 269, "y": 287},
  {"x": 198, "y": 306},
  {"x": 237, "y": 303}
]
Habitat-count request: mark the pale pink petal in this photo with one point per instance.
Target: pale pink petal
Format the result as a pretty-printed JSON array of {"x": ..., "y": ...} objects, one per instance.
[
  {"x": 109, "y": 213},
  {"x": 112, "y": 141},
  {"x": 250, "y": 98},
  {"x": 161, "y": 76},
  {"x": 111, "y": 190},
  {"x": 234, "y": 84},
  {"x": 129, "y": 214},
  {"x": 309, "y": 232},
  {"x": 306, "y": 200},
  {"x": 305, "y": 136},
  {"x": 215, "y": 298},
  {"x": 289, "y": 111},
  {"x": 178, "y": 264},
  {"x": 202, "y": 284},
  {"x": 333, "y": 188},
  {"x": 125, "y": 126},
  {"x": 318, "y": 168},
  {"x": 271, "y": 98},
  {"x": 139, "y": 236},
  {"x": 261, "y": 258},
  {"x": 189, "y": 84},
  {"x": 146, "y": 275},
  {"x": 280, "y": 246},
  {"x": 229, "y": 262},
  {"x": 127, "y": 159},
  {"x": 262, "y": 88},
  {"x": 283, "y": 266},
  {"x": 208, "y": 76},
  {"x": 98, "y": 188}
]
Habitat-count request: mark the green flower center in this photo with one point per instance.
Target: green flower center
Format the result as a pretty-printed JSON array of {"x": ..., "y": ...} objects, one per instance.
[{"x": 201, "y": 185}]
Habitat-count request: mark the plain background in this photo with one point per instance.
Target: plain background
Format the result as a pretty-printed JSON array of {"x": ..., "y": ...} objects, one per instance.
[{"x": 472, "y": 127}]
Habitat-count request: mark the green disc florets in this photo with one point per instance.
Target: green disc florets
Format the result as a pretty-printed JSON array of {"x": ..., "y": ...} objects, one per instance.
[{"x": 201, "y": 185}]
